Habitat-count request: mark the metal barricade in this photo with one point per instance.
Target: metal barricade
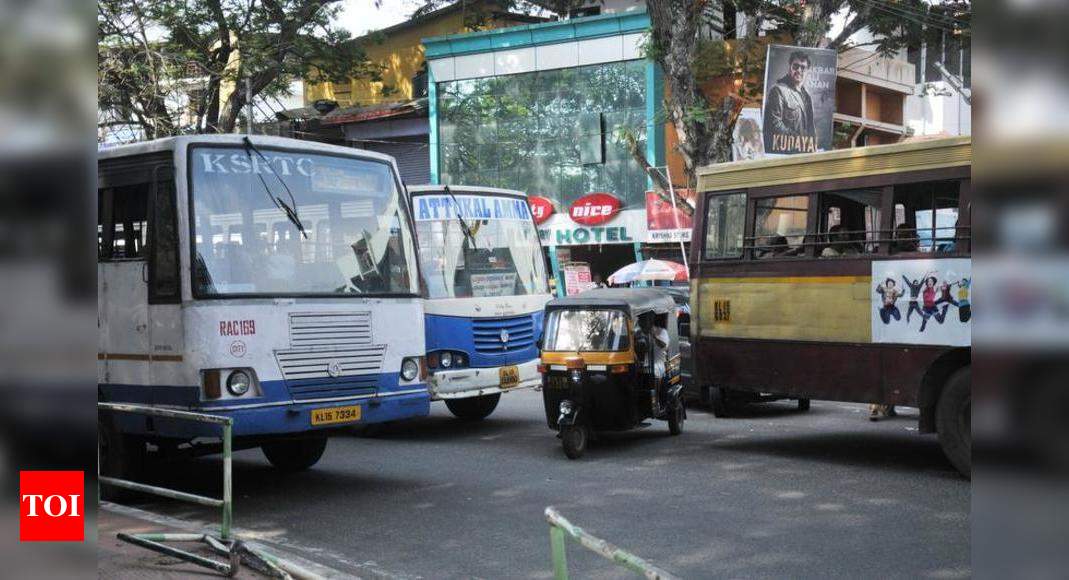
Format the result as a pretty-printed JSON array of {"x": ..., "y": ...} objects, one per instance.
[
  {"x": 235, "y": 551},
  {"x": 560, "y": 529}
]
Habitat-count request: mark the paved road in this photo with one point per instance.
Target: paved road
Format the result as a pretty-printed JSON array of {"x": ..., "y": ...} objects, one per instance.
[{"x": 775, "y": 494}]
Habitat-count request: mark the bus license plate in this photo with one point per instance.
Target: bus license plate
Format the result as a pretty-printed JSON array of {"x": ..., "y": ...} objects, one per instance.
[
  {"x": 336, "y": 415},
  {"x": 510, "y": 376}
]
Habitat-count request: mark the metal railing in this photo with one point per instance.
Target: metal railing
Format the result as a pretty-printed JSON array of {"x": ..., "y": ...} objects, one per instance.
[
  {"x": 561, "y": 529},
  {"x": 227, "y": 424}
]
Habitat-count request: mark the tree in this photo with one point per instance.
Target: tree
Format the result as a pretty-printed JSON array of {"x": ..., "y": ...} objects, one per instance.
[
  {"x": 182, "y": 66},
  {"x": 679, "y": 44}
]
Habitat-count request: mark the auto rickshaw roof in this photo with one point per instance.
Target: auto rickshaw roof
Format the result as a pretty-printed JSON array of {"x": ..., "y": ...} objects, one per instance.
[{"x": 636, "y": 300}]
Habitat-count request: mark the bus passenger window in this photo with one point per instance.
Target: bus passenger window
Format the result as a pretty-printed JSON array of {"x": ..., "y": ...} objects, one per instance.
[
  {"x": 849, "y": 222},
  {"x": 926, "y": 217},
  {"x": 123, "y": 235},
  {"x": 725, "y": 218},
  {"x": 780, "y": 226}
]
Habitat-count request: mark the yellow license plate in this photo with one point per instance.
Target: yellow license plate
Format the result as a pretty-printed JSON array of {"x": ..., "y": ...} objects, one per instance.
[
  {"x": 510, "y": 376},
  {"x": 336, "y": 415}
]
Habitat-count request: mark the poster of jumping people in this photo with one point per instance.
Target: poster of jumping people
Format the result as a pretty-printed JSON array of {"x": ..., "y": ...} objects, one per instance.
[
  {"x": 922, "y": 301},
  {"x": 799, "y": 100}
]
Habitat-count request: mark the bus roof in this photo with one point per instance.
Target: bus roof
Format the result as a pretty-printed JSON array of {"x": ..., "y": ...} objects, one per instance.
[
  {"x": 174, "y": 143},
  {"x": 636, "y": 300},
  {"x": 838, "y": 164},
  {"x": 417, "y": 189}
]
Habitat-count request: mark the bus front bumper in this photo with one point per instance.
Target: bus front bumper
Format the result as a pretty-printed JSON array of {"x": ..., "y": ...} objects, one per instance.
[{"x": 474, "y": 382}]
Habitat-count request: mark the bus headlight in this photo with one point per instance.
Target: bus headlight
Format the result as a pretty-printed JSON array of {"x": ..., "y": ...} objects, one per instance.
[
  {"x": 447, "y": 360},
  {"x": 238, "y": 383},
  {"x": 409, "y": 369}
]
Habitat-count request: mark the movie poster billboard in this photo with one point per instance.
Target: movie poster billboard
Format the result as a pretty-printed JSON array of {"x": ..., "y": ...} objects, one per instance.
[
  {"x": 665, "y": 223},
  {"x": 746, "y": 141},
  {"x": 922, "y": 301},
  {"x": 799, "y": 100}
]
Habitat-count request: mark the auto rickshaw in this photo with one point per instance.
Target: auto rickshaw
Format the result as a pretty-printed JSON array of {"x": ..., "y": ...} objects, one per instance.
[{"x": 604, "y": 367}]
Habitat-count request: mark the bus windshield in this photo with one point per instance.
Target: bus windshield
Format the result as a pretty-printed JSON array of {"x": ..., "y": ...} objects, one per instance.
[
  {"x": 478, "y": 245},
  {"x": 356, "y": 237}
]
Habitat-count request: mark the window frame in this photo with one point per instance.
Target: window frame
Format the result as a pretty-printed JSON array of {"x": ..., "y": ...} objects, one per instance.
[
  {"x": 812, "y": 219},
  {"x": 746, "y": 225}
]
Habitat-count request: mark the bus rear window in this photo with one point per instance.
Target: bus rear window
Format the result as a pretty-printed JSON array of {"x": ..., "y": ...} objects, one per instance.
[{"x": 725, "y": 218}]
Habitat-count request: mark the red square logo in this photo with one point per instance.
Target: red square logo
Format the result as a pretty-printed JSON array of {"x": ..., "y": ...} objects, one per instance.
[{"x": 51, "y": 506}]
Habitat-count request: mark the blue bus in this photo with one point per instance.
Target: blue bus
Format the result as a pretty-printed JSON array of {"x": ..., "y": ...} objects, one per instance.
[{"x": 486, "y": 285}]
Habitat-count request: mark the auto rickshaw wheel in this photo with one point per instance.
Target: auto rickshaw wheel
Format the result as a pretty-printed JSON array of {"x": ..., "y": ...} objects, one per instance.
[
  {"x": 574, "y": 439},
  {"x": 676, "y": 418}
]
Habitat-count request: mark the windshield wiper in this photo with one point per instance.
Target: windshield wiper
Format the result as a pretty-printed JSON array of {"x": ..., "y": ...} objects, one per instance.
[
  {"x": 289, "y": 210},
  {"x": 464, "y": 227}
]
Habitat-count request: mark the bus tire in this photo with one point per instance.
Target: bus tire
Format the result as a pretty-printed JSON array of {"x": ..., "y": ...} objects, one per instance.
[
  {"x": 803, "y": 404},
  {"x": 720, "y": 402},
  {"x": 292, "y": 455},
  {"x": 473, "y": 408},
  {"x": 953, "y": 417},
  {"x": 574, "y": 439},
  {"x": 121, "y": 456}
]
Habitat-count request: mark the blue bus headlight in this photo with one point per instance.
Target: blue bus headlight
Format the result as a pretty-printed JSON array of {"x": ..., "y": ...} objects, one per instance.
[
  {"x": 409, "y": 369},
  {"x": 238, "y": 383},
  {"x": 447, "y": 360}
]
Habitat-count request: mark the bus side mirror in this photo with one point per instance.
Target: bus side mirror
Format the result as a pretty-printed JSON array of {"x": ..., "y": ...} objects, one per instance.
[{"x": 539, "y": 343}]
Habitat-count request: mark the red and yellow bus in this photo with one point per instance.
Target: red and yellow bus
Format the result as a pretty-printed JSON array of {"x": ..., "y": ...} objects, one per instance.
[{"x": 843, "y": 275}]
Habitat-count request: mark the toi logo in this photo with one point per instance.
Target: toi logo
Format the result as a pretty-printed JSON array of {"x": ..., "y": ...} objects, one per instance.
[{"x": 51, "y": 506}]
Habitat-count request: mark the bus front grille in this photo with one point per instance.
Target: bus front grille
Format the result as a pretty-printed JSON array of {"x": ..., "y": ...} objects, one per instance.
[
  {"x": 329, "y": 329},
  {"x": 331, "y": 364},
  {"x": 498, "y": 335}
]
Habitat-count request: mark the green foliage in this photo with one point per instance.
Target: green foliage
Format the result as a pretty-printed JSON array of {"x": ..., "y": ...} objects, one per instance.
[{"x": 155, "y": 55}]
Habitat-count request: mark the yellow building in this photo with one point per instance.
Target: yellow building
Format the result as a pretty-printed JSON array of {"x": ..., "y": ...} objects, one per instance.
[{"x": 398, "y": 51}]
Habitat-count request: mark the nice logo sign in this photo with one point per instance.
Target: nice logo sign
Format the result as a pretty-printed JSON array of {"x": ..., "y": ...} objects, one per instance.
[
  {"x": 51, "y": 506},
  {"x": 594, "y": 209}
]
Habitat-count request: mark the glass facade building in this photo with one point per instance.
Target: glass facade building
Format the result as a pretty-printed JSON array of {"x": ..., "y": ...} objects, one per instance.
[{"x": 558, "y": 133}]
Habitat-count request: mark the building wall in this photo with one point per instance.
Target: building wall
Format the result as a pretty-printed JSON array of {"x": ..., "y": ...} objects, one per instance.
[{"x": 400, "y": 54}]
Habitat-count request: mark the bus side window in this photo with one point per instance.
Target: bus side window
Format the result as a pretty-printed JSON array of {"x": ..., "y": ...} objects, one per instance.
[
  {"x": 780, "y": 226},
  {"x": 849, "y": 222},
  {"x": 725, "y": 220},
  {"x": 164, "y": 280},
  {"x": 926, "y": 216},
  {"x": 122, "y": 225}
]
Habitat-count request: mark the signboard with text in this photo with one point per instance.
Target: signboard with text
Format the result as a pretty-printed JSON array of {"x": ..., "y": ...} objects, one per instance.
[{"x": 665, "y": 223}]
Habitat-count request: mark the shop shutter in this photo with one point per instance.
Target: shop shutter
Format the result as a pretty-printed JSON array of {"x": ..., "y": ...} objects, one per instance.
[{"x": 413, "y": 159}]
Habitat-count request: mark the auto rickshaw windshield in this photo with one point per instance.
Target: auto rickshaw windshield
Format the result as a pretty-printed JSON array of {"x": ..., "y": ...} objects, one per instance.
[{"x": 586, "y": 330}]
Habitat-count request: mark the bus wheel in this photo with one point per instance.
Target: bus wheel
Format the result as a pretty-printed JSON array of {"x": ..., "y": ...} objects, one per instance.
[
  {"x": 292, "y": 455},
  {"x": 721, "y": 403},
  {"x": 574, "y": 439},
  {"x": 953, "y": 418},
  {"x": 121, "y": 456},
  {"x": 473, "y": 408},
  {"x": 803, "y": 404}
]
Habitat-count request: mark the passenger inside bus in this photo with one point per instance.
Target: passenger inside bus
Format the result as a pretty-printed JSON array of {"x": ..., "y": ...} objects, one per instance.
[
  {"x": 930, "y": 211},
  {"x": 840, "y": 243},
  {"x": 772, "y": 247}
]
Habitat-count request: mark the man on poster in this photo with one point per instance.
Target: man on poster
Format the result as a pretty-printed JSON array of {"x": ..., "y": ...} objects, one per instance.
[{"x": 788, "y": 122}]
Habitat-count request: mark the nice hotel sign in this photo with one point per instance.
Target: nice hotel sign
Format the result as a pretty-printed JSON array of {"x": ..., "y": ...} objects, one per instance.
[{"x": 595, "y": 218}]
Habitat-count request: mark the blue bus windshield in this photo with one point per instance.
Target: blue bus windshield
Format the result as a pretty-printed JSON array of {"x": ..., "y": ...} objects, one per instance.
[{"x": 501, "y": 257}]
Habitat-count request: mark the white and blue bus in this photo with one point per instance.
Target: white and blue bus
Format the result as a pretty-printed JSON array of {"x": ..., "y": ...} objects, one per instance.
[
  {"x": 270, "y": 280},
  {"x": 486, "y": 283}
]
